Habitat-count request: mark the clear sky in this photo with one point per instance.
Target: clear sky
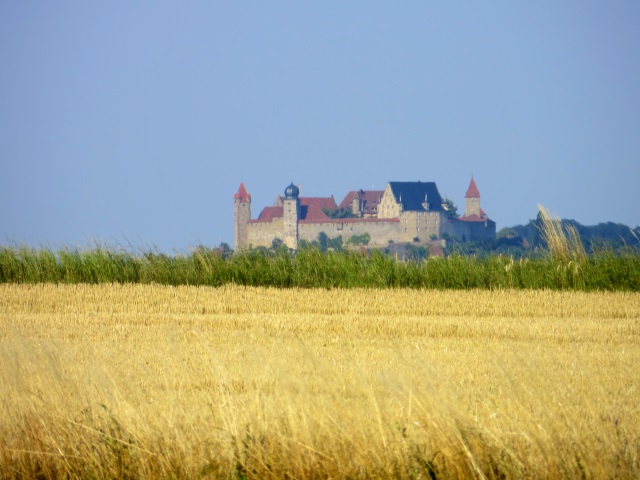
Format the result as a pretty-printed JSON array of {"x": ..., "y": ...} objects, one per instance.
[{"x": 135, "y": 122}]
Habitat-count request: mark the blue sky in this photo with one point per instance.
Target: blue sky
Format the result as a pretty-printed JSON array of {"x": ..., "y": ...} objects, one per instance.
[{"x": 135, "y": 122}]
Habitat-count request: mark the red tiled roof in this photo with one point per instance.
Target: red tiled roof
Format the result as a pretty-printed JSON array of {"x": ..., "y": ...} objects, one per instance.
[
  {"x": 313, "y": 213},
  {"x": 368, "y": 220},
  {"x": 353, "y": 220},
  {"x": 483, "y": 217},
  {"x": 371, "y": 199},
  {"x": 348, "y": 200},
  {"x": 269, "y": 213},
  {"x": 242, "y": 194},
  {"x": 321, "y": 202},
  {"x": 472, "y": 191},
  {"x": 310, "y": 209}
]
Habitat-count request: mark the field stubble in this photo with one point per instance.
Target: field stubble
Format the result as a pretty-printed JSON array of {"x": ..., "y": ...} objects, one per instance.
[{"x": 150, "y": 381}]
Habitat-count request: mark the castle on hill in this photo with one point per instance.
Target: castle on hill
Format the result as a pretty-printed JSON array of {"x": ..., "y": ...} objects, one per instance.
[{"x": 403, "y": 212}]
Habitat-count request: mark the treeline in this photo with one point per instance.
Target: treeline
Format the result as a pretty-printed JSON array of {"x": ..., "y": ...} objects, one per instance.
[
  {"x": 312, "y": 268},
  {"x": 527, "y": 240},
  {"x": 520, "y": 241}
]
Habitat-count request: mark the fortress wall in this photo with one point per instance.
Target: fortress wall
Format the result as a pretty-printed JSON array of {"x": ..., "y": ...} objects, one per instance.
[
  {"x": 262, "y": 234},
  {"x": 381, "y": 232},
  {"x": 411, "y": 225},
  {"x": 471, "y": 231}
]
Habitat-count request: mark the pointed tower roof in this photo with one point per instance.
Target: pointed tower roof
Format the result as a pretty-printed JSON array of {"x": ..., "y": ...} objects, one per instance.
[
  {"x": 472, "y": 191},
  {"x": 242, "y": 194}
]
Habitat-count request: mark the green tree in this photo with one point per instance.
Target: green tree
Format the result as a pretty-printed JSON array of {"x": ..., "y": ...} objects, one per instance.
[
  {"x": 339, "y": 213},
  {"x": 277, "y": 244},
  {"x": 336, "y": 243},
  {"x": 363, "y": 239},
  {"x": 323, "y": 241},
  {"x": 451, "y": 208}
]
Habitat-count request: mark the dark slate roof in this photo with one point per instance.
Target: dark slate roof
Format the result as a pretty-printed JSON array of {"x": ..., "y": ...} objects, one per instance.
[
  {"x": 411, "y": 195},
  {"x": 291, "y": 191}
]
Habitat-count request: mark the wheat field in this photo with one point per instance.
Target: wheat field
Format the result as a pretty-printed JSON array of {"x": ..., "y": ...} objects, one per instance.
[{"x": 149, "y": 381}]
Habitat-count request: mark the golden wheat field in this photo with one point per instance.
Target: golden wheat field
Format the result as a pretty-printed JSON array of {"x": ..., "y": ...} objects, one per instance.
[{"x": 147, "y": 381}]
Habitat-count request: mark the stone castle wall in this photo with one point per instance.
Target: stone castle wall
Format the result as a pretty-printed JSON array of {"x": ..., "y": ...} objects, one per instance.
[
  {"x": 422, "y": 225},
  {"x": 380, "y": 232},
  {"x": 410, "y": 225},
  {"x": 261, "y": 234},
  {"x": 471, "y": 231}
]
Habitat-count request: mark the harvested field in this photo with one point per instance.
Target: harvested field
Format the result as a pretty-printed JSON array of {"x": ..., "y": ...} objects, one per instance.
[{"x": 152, "y": 381}]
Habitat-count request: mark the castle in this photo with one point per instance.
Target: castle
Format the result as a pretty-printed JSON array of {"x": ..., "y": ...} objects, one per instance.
[{"x": 401, "y": 213}]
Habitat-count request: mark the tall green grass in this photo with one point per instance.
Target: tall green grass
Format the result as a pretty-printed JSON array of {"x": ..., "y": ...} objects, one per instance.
[{"x": 310, "y": 268}]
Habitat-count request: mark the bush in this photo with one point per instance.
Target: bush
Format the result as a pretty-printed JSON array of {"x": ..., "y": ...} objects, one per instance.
[{"x": 363, "y": 239}]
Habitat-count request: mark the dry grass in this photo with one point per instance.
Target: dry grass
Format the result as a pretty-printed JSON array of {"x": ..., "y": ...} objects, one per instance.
[
  {"x": 564, "y": 243},
  {"x": 150, "y": 381}
]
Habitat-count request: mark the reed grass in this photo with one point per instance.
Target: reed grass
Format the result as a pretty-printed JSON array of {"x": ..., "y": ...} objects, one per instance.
[
  {"x": 314, "y": 269},
  {"x": 563, "y": 241}
]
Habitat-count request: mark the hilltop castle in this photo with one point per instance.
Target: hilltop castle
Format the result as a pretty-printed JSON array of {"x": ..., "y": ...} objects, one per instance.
[{"x": 401, "y": 213}]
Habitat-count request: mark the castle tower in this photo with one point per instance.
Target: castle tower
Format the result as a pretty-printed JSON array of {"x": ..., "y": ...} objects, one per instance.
[
  {"x": 472, "y": 200},
  {"x": 291, "y": 214},
  {"x": 241, "y": 216},
  {"x": 357, "y": 203}
]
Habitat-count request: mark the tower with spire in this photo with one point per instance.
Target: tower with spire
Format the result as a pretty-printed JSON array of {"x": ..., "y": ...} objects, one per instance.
[
  {"x": 475, "y": 224},
  {"x": 241, "y": 216},
  {"x": 472, "y": 201}
]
